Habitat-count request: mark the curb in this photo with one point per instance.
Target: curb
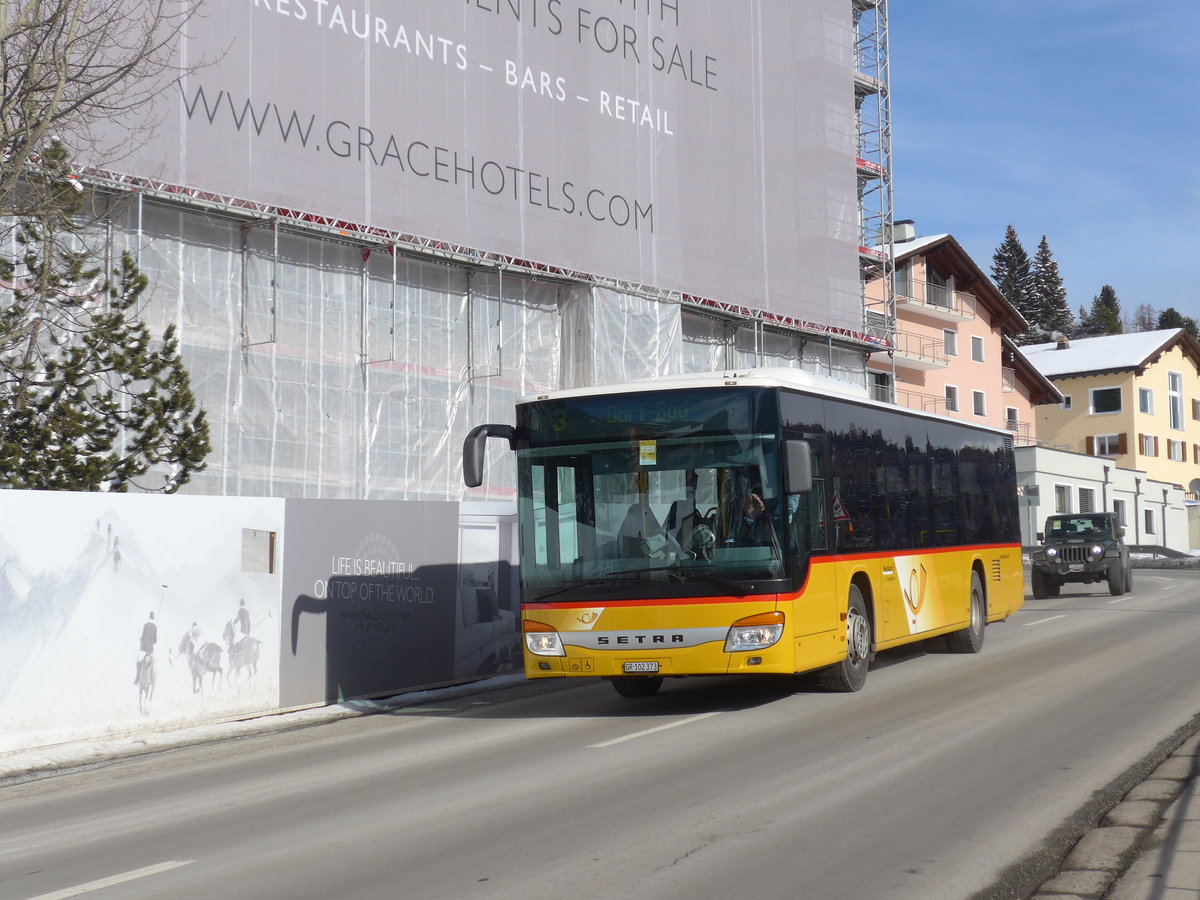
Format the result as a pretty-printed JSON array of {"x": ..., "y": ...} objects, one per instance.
[
  {"x": 1103, "y": 855},
  {"x": 27, "y": 764}
]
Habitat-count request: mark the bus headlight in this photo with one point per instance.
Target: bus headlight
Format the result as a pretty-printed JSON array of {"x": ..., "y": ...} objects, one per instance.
[
  {"x": 754, "y": 632},
  {"x": 542, "y": 640}
]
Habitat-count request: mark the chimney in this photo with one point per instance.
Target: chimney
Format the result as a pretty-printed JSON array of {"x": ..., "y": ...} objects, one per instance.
[{"x": 1061, "y": 340}]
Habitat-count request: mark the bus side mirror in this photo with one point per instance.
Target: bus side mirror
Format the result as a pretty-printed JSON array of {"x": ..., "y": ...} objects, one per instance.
[
  {"x": 474, "y": 445},
  {"x": 797, "y": 473}
]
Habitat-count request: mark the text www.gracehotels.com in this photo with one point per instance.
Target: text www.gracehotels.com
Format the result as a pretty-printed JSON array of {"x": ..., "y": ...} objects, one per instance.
[{"x": 418, "y": 158}]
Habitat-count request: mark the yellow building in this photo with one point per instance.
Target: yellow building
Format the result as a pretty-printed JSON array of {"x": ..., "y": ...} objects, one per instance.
[{"x": 1132, "y": 398}]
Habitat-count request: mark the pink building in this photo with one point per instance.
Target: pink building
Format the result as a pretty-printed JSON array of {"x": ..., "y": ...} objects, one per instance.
[{"x": 953, "y": 341}]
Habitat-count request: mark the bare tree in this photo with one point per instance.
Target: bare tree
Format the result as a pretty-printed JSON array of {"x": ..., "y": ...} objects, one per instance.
[
  {"x": 70, "y": 66},
  {"x": 1145, "y": 318}
]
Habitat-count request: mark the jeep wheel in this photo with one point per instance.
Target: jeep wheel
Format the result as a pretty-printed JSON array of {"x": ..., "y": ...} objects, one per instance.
[
  {"x": 1040, "y": 588},
  {"x": 1129, "y": 578},
  {"x": 1116, "y": 579}
]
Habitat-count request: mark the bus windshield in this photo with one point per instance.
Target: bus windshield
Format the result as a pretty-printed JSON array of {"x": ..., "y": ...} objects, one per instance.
[{"x": 700, "y": 510}]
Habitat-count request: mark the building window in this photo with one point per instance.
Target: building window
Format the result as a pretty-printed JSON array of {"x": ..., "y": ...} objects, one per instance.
[
  {"x": 1119, "y": 509},
  {"x": 1087, "y": 500},
  {"x": 976, "y": 348},
  {"x": 1146, "y": 401},
  {"x": 1066, "y": 404},
  {"x": 979, "y": 402},
  {"x": 951, "y": 398},
  {"x": 1011, "y": 420},
  {"x": 1108, "y": 445},
  {"x": 937, "y": 288},
  {"x": 1149, "y": 521},
  {"x": 881, "y": 386},
  {"x": 950, "y": 341},
  {"x": 1175, "y": 450},
  {"x": 1062, "y": 498},
  {"x": 1102, "y": 401},
  {"x": 1196, "y": 409},
  {"x": 903, "y": 280},
  {"x": 1175, "y": 399},
  {"x": 1148, "y": 444}
]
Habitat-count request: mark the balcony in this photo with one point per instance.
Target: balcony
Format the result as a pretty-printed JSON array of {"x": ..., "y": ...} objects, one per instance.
[
  {"x": 934, "y": 300},
  {"x": 1022, "y": 433},
  {"x": 919, "y": 351},
  {"x": 930, "y": 403}
]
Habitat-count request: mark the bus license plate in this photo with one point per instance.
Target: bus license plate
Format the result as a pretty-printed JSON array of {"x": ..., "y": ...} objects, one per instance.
[{"x": 641, "y": 667}]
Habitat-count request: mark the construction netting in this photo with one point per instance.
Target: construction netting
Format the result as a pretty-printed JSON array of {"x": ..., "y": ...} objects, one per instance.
[{"x": 332, "y": 370}]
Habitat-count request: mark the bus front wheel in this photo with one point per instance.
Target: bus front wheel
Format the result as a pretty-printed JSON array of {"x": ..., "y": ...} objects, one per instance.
[
  {"x": 851, "y": 673},
  {"x": 636, "y": 685}
]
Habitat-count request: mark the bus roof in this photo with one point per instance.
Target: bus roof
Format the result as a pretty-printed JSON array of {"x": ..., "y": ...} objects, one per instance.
[{"x": 772, "y": 376}]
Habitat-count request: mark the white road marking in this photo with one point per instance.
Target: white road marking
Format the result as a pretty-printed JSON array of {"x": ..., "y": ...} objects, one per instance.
[
  {"x": 655, "y": 730},
  {"x": 1042, "y": 621},
  {"x": 102, "y": 883},
  {"x": 1117, "y": 600}
]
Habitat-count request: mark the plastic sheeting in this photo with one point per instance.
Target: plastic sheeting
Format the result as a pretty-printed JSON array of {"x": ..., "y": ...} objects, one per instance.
[{"x": 331, "y": 371}]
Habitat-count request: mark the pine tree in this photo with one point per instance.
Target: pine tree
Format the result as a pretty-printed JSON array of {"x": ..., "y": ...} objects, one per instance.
[
  {"x": 1013, "y": 274},
  {"x": 1104, "y": 317},
  {"x": 88, "y": 401},
  {"x": 1173, "y": 318},
  {"x": 1049, "y": 313}
]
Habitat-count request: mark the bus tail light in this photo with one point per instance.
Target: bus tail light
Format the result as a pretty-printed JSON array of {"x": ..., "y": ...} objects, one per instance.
[
  {"x": 754, "y": 632},
  {"x": 542, "y": 640}
]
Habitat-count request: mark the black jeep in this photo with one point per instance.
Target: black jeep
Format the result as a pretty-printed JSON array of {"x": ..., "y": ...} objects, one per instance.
[{"x": 1083, "y": 548}]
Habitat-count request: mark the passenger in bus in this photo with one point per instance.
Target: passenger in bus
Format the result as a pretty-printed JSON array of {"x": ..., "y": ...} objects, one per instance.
[{"x": 687, "y": 525}]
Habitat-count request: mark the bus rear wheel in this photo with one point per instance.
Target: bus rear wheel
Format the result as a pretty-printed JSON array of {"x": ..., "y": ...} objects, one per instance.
[
  {"x": 851, "y": 673},
  {"x": 636, "y": 685},
  {"x": 970, "y": 639}
]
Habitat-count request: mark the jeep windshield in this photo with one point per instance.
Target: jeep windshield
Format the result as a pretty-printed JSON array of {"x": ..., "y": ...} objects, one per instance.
[{"x": 1078, "y": 528}]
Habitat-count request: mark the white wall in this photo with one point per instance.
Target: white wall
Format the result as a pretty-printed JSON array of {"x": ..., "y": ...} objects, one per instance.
[{"x": 1048, "y": 468}]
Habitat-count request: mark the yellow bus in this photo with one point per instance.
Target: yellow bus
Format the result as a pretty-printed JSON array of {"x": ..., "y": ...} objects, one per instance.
[{"x": 764, "y": 522}]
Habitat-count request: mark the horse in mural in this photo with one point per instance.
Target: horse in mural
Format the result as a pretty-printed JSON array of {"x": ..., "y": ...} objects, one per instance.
[
  {"x": 204, "y": 658},
  {"x": 145, "y": 682},
  {"x": 243, "y": 654}
]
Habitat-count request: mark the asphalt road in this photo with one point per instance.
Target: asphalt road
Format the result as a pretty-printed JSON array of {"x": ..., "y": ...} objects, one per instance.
[{"x": 942, "y": 779}]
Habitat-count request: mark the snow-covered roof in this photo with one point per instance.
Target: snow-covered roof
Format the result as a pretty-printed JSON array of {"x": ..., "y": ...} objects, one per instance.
[
  {"x": 916, "y": 245},
  {"x": 1107, "y": 353}
]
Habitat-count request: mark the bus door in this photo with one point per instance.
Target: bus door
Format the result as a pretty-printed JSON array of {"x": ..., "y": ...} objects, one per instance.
[
  {"x": 808, "y": 536},
  {"x": 562, "y": 528}
]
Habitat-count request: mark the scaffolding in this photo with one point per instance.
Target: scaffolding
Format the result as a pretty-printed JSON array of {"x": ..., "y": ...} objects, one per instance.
[{"x": 872, "y": 105}]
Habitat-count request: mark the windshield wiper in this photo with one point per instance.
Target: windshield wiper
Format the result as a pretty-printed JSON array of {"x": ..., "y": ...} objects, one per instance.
[
  {"x": 587, "y": 582},
  {"x": 689, "y": 573}
]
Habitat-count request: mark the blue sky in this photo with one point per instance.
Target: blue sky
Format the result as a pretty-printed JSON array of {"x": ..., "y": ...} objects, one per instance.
[{"x": 1077, "y": 120}]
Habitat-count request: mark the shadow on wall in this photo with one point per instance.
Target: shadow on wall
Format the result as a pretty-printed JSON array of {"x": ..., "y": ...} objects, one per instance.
[{"x": 390, "y": 633}]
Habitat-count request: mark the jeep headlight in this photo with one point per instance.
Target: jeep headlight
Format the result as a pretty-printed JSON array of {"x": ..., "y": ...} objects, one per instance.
[
  {"x": 754, "y": 632},
  {"x": 1052, "y": 553},
  {"x": 1097, "y": 550},
  {"x": 542, "y": 640}
]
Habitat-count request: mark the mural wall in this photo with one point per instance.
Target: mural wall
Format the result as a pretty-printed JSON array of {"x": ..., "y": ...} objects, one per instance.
[{"x": 123, "y": 613}]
